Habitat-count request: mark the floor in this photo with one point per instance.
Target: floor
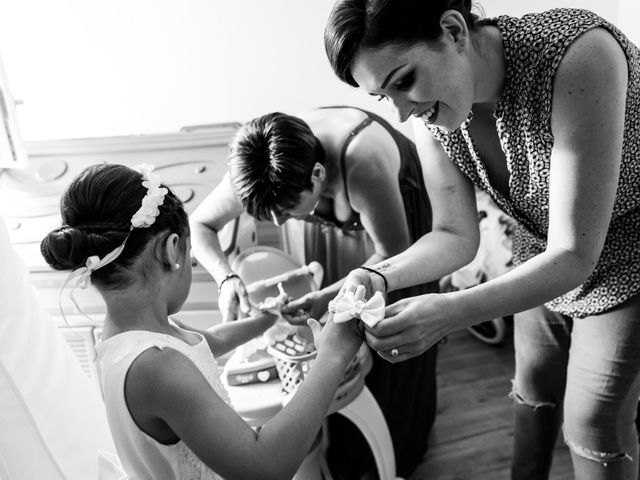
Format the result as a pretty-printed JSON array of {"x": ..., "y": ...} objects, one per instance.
[{"x": 472, "y": 436}]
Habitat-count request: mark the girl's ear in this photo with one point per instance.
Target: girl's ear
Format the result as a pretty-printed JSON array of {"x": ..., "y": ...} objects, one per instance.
[
  {"x": 318, "y": 173},
  {"x": 171, "y": 251},
  {"x": 454, "y": 27}
]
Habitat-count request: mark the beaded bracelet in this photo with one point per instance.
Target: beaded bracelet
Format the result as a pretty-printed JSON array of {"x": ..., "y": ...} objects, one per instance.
[
  {"x": 384, "y": 279},
  {"x": 228, "y": 277}
]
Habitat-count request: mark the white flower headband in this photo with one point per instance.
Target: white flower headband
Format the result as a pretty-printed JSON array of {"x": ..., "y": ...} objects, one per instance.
[
  {"x": 144, "y": 217},
  {"x": 147, "y": 213}
]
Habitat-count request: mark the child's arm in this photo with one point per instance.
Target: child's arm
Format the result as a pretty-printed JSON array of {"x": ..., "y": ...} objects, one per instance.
[
  {"x": 225, "y": 337},
  {"x": 170, "y": 399}
]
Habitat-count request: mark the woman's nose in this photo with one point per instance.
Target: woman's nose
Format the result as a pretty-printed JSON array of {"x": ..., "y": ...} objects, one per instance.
[
  {"x": 278, "y": 219},
  {"x": 402, "y": 109}
]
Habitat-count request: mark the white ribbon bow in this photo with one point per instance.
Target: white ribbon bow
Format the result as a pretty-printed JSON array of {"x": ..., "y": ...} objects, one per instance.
[
  {"x": 80, "y": 277},
  {"x": 351, "y": 305}
]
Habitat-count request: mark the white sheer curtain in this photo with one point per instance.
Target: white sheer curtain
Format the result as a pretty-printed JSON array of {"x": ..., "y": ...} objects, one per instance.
[{"x": 52, "y": 420}]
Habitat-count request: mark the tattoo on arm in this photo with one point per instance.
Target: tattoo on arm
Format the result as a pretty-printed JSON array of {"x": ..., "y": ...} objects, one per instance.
[{"x": 385, "y": 267}]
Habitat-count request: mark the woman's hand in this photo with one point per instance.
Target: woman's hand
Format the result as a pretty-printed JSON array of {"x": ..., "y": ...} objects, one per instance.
[
  {"x": 313, "y": 304},
  {"x": 411, "y": 326},
  {"x": 232, "y": 299},
  {"x": 371, "y": 281}
]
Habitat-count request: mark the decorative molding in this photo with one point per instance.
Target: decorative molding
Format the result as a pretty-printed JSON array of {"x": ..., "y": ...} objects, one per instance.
[{"x": 216, "y": 135}]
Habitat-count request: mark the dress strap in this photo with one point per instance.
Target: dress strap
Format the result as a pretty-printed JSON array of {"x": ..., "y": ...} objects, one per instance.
[{"x": 343, "y": 154}]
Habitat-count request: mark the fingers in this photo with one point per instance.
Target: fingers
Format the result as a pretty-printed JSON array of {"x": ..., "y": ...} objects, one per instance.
[
  {"x": 355, "y": 277},
  {"x": 403, "y": 351},
  {"x": 347, "y": 286},
  {"x": 299, "y": 317},
  {"x": 294, "y": 305},
  {"x": 228, "y": 314},
  {"x": 314, "y": 325},
  {"x": 243, "y": 298},
  {"x": 391, "y": 324},
  {"x": 381, "y": 344},
  {"x": 395, "y": 308},
  {"x": 396, "y": 355},
  {"x": 350, "y": 287},
  {"x": 316, "y": 328}
]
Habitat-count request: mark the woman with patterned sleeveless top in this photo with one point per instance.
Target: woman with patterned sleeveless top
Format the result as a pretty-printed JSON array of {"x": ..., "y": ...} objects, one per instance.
[
  {"x": 543, "y": 113},
  {"x": 351, "y": 191}
]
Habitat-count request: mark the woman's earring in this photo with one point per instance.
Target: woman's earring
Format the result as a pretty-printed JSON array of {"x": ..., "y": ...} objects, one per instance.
[{"x": 176, "y": 266}]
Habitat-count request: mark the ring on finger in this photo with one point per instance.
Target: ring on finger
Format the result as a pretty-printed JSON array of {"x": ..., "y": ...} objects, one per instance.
[{"x": 394, "y": 352}]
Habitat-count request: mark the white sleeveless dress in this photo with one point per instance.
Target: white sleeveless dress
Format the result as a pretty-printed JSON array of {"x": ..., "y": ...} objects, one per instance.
[{"x": 142, "y": 457}]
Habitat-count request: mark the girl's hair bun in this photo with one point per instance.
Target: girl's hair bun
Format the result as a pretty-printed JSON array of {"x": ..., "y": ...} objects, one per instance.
[
  {"x": 58, "y": 246},
  {"x": 67, "y": 248}
]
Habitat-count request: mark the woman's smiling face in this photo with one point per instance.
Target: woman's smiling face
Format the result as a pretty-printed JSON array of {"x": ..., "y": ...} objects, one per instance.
[{"x": 433, "y": 83}]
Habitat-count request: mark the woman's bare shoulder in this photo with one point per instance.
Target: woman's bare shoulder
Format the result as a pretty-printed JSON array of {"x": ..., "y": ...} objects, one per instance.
[{"x": 595, "y": 52}]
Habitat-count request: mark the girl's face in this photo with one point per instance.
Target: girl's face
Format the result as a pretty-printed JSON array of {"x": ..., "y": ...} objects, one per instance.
[{"x": 432, "y": 83}]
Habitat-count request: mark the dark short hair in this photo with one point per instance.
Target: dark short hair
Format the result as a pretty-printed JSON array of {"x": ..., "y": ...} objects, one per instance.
[
  {"x": 271, "y": 161},
  {"x": 356, "y": 24},
  {"x": 96, "y": 213}
]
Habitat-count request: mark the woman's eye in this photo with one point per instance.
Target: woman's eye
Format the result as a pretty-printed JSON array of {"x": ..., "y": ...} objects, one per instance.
[{"x": 405, "y": 82}]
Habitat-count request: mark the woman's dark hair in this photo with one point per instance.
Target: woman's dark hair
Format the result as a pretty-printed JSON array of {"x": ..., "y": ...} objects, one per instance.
[
  {"x": 271, "y": 161},
  {"x": 360, "y": 24},
  {"x": 96, "y": 213}
]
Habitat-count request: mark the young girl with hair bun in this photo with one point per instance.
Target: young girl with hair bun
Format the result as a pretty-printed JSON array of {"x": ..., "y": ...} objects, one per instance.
[{"x": 168, "y": 412}]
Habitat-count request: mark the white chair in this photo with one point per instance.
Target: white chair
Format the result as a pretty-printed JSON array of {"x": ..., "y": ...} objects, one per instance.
[{"x": 262, "y": 268}]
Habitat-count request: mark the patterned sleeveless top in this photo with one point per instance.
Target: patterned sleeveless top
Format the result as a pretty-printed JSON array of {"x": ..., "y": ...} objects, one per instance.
[
  {"x": 534, "y": 45},
  {"x": 142, "y": 456}
]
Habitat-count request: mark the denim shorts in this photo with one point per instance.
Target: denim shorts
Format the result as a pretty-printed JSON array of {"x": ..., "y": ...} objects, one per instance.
[{"x": 589, "y": 367}]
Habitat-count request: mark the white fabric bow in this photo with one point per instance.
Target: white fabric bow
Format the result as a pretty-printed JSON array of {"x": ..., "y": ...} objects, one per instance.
[
  {"x": 80, "y": 277},
  {"x": 349, "y": 306}
]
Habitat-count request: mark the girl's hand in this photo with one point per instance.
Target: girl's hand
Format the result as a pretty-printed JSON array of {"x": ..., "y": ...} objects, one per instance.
[
  {"x": 233, "y": 298},
  {"x": 344, "y": 339},
  {"x": 411, "y": 326},
  {"x": 313, "y": 304}
]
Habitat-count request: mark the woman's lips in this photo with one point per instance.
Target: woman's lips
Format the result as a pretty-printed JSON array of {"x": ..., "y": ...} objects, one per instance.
[{"x": 430, "y": 115}]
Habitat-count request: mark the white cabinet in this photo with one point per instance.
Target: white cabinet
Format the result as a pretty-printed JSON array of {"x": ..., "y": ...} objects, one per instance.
[{"x": 190, "y": 162}]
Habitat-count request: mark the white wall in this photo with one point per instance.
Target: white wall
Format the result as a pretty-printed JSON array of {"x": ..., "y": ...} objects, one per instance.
[{"x": 86, "y": 68}]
